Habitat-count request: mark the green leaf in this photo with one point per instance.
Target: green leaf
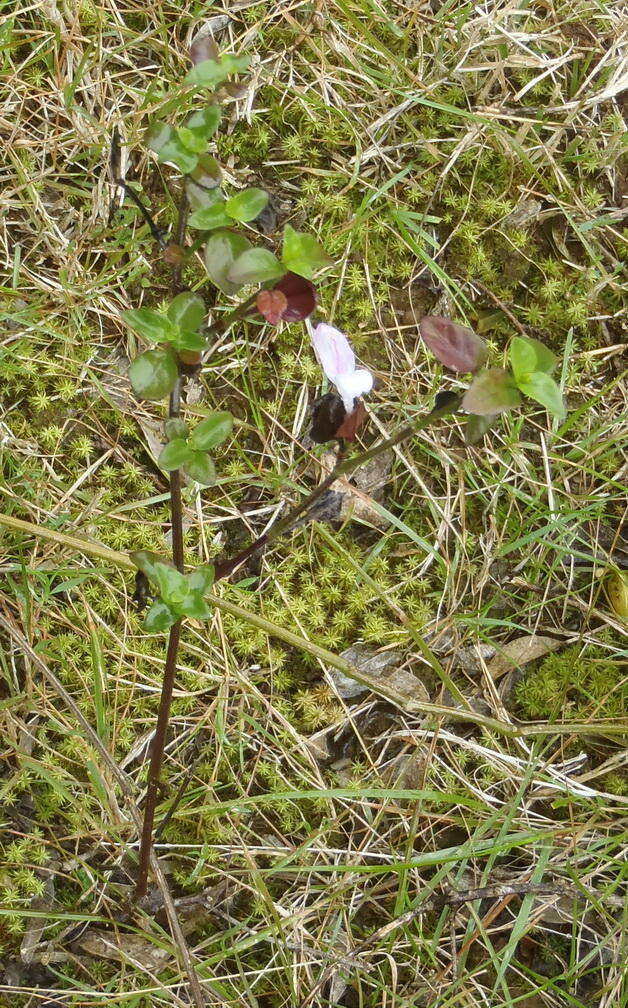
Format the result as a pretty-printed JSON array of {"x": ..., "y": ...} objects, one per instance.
[
  {"x": 149, "y": 324},
  {"x": 187, "y": 311},
  {"x": 154, "y": 373},
  {"x": 163, "y": 140},
  {"x": 201, "y": 184},
  {"x": 247, "y": 205},
  {"x": 201, "y": 468},
  {"x": 175, "y": 428},
  {"x": 220, "y": 253},
  {"x": 191, "y": 140},
  {"x": 256, "y": 265},
  {"x": 211, "y": 217},
  {"x": 191, "y": 341},
  {"x": 528, "y": 356},
  {"x": 212, "y": 432},
  {"x": 202, "y": 578},
  {"x": 543, "y": 389},
  {"x": 145, "y": 561},
  {"x": 174, "y": 454},
  {"x": 158, "y": 136},
  {"x": 205, "y": 122},
  {"x": 301, "y": 253},
  {"x": 493, "y": 391},
  {"x": 172, "y": 585},
  {"x": 195, "y": 606},
  {"x": 159, "y": 617},
  {"x": 210, "y": 72},
  {"x": 476, "y": 427}
]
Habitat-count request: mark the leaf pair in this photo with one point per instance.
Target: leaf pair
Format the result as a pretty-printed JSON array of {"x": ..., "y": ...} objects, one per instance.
[
  {"x": 154, "y": 372},
  {"x": 189, "y": 451},
  {"x": 183, "y": 145},
  {"x": 178, "y": 326},
  {"x": 209, "y": 73},
  {"x": 180, "y": 594},
  {"x": 496, "y": 390},
  {"x": 231, "y": 261},
  {"x": 218, "y": 212}
]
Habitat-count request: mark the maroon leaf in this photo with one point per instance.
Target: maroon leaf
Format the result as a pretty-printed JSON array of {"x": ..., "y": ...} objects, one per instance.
[
  {"x": 455, "y": 346},
  {"x": 292, "y": 299},
  {"x": 301, "y": 297},
  {"x": 203, "y": 48},
  {"x": 272, "y": 305},
  {"x": 492, "y": 392}
]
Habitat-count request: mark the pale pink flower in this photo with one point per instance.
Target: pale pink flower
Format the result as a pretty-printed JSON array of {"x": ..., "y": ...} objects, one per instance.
[{"x": 337, "y": 360}]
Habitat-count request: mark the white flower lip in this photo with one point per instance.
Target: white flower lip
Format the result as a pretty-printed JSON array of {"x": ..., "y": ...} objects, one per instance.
[{"x": 337, "y": 359}]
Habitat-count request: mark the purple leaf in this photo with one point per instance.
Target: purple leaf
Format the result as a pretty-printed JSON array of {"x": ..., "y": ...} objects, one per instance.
[
  {"x": 203, "y": 48},
  {"x": 455, "y": 346},
  {"x": 492, "y": 392}
]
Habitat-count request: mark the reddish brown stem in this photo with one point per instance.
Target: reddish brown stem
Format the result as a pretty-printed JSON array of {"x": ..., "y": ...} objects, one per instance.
[
  {"x": 156, "y": 760},
  {"x": 167, "y": 687}
]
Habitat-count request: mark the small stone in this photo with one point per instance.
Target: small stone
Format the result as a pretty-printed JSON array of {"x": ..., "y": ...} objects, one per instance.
[
  {"x": 378, "y": 665},
  {"x": 368, "y": 660},
  {"x": 405, "y": 771},
  {"x": 471, "y": 659}
]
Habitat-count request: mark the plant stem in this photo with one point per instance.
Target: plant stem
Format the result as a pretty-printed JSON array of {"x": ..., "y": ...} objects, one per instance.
[
  {"x": 154, "y": 230},
  {"x": 156, "y": 760},
  {"x": 343, "y": 467},
  {"x": 167, "y": 687},
  {"x": 237, "y": 313}
]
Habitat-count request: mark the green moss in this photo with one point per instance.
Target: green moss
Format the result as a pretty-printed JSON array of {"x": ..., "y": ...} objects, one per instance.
[
  {"x": 20, "y": 883},
  {"x": 573, "y": 685}
]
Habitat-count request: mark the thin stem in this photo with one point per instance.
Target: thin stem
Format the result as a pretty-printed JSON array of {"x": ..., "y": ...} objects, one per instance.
[
  {"x": 182, "y": 220},
  {"x": 343, "y": 467},
  {"x": 238, "y": 312},
  {"x": 154, "y": 230},
  {"x": 384, "y": 689},
  {"x": 222, "y": 325},
  {"x": 117, "y": 774},
  {"x": 167, "y": 687},
  {"x": 156, "y": 760}
]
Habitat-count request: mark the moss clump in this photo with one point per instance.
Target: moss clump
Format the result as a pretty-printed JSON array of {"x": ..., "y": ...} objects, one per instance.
[
  {"x": 20, "y": 883},
  {"x": 573, "y": 685}
]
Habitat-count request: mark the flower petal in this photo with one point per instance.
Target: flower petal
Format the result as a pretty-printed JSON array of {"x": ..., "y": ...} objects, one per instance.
[
  {"x": 334, "y": 353},
  {"x": 353, "y": 384}
]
